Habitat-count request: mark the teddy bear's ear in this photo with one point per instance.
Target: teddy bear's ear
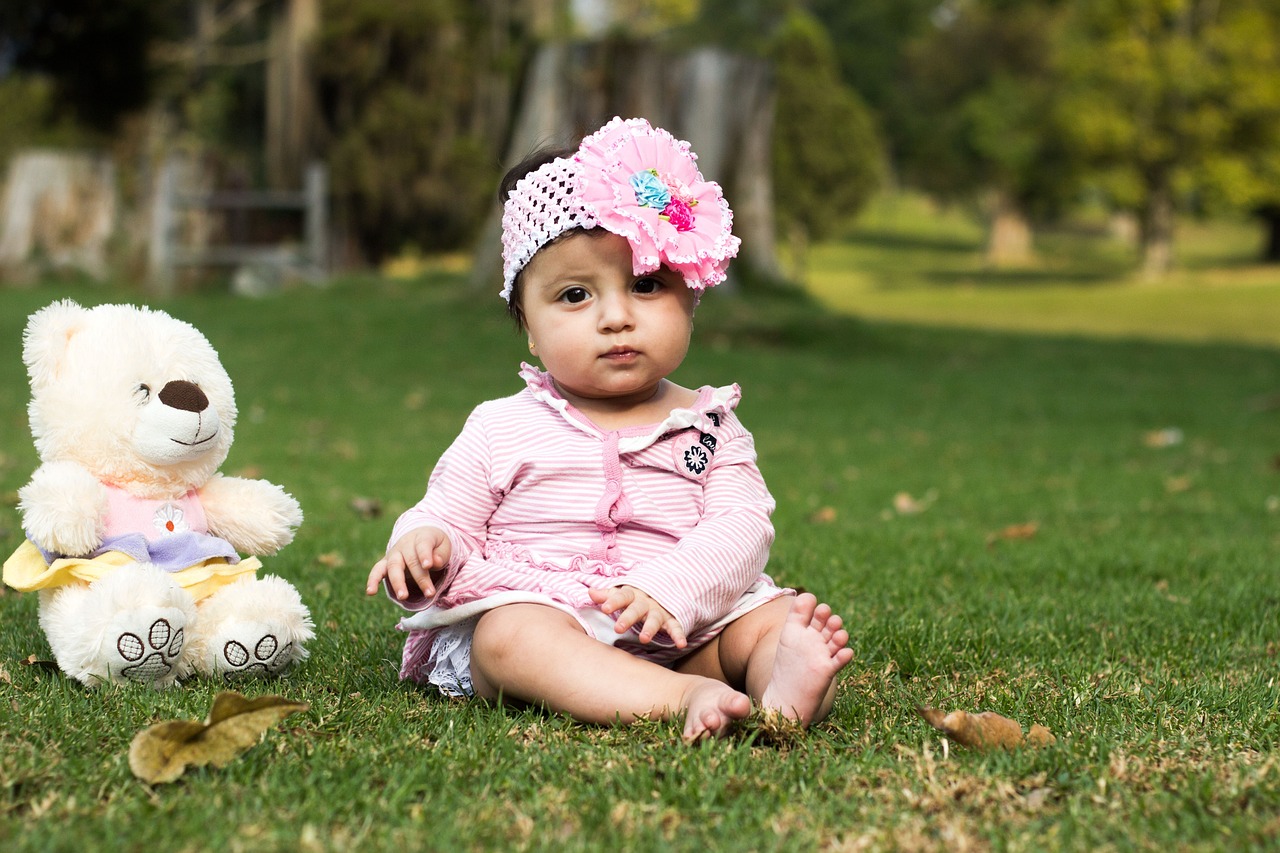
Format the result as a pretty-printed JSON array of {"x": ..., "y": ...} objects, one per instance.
[{"x": 48, "y": 334}]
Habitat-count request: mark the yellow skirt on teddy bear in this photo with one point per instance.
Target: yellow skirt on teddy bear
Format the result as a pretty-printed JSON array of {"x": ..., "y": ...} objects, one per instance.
[{"x": 27, "y": 570}]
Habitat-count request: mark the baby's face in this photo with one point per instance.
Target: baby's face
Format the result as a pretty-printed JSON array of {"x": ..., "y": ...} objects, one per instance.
[{"x": 600, "y": 330}]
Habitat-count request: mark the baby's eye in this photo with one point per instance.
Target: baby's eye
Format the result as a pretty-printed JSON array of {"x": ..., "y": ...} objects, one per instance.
[
  {"x": 574, "y": 295},
  {"x": 648, "y": 285}
]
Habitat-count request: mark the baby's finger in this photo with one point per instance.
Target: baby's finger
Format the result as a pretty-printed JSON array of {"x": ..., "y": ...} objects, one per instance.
[
  {"x": 675, "y": 632},
  {"x": 652, "y": 624},
  {"x": 635, "y": 612},
  {"x": 395, "y": 575},
  {"x": 376, "y": 574},
  {"x": 612, "y": 600},
  {"x": 424, "y": 551},
  {"x": 422, "y": 577}
]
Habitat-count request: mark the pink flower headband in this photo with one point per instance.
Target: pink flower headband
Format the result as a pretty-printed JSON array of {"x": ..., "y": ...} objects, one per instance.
[{"x": 636, "y": 181}]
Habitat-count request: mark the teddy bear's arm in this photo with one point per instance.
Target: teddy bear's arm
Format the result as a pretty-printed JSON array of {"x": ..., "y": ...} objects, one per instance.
[
  {"x": 64, "y": 509},
  {"x": 255, "y": 516}
]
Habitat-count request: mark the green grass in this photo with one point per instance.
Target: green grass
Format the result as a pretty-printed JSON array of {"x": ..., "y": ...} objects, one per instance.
[
  {"x": 1139, "y": 623},
  {"x": 907, "y": 262}
]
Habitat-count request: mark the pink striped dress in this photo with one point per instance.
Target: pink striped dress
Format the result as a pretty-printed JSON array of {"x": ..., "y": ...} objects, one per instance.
[{"x": 540, "y": 505}]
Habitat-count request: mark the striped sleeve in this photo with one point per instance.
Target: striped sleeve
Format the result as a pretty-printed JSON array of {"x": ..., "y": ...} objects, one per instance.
[
  {"x": 459, "y": 498},
  {"x": 714, "y": 564}
]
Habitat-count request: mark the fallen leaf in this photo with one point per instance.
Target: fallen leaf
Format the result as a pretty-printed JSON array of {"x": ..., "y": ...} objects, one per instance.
[
  {"x": 331, "y": 560},
  {"x": 163, "y": 752},
  {"x": 1167, "y": 437},
  {"x": 905, "y": 504},
  {"x": 367, "y": 508},
  {"x": 825, "y": 515},
  {"x": 1015, "y": 531},
  {"x": 986, "y": 730}
]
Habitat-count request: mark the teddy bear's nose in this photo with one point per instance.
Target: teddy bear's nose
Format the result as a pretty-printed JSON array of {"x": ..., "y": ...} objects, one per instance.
[{"x": 184, "y": 395}]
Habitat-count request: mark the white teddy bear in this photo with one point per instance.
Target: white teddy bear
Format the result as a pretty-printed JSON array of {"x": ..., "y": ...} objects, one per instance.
[{"x": 133, "y": 536}]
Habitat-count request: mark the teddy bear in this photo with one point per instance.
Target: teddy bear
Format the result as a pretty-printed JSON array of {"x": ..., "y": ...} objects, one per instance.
[{"x": 134, "y": 538}]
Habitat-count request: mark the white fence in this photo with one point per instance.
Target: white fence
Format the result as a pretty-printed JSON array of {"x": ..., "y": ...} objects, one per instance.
[{"x": 307, "y": 256}]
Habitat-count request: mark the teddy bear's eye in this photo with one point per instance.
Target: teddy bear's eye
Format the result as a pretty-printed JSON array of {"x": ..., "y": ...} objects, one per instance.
[{"x": 144, "y": 392}]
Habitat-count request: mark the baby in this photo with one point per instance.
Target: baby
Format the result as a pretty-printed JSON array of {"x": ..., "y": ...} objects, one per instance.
[{"x": 596, "y": 543}]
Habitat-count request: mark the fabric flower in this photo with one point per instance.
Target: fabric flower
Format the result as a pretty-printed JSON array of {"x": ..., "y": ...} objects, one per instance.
[
  {"x": 693, "y": 237},
  {"x": 650, "y": 190},
  {"x": 679, "y": 214},
  {"x": 170, "y": 519}
]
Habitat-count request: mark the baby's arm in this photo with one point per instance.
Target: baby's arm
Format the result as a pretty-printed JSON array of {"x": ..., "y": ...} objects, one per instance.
[
  {"x": 637, "y": 607},
  {"x": 447, "y": 525},
  {"x": 715, "y": 562}
]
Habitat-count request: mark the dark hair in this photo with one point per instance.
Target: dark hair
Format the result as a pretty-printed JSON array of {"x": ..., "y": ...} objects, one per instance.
[{"x": 532, "y": 163}]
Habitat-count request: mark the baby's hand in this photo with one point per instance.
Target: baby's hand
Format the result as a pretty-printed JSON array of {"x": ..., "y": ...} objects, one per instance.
[
  {"x": 418, "y": 558},
  {"x": 638, "y": 608}
]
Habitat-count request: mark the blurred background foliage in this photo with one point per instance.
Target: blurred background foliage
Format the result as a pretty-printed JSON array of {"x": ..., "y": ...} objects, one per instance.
[{"x": 1022, "y": 110}]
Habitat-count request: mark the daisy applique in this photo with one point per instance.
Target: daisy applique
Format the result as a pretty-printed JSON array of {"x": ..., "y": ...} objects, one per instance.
[{"x": 170, "y": 519}]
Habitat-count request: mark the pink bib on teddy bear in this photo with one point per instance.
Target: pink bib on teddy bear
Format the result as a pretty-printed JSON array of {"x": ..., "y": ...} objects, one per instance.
[{"x": 154, "y": 519}]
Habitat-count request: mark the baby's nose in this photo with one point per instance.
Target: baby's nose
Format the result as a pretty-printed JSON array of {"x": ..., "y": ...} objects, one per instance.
[{"x": 184, "y": 395}]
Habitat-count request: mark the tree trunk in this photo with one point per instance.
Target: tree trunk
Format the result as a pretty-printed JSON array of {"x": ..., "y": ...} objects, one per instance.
[
  {"x": 59, "y": 211},
  {"x": 1009, "y": 237},
  {"x": 291, "y": 105},
  {"x": 798, "y": 241},
  {"x": 1270, "y": 217},
  {"x": 1157, "y": 233}
]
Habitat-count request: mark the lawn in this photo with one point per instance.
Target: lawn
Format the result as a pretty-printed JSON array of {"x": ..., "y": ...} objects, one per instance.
[
  {"x": 910, "y": 262},
  {"x": 1074, "y": 531}
]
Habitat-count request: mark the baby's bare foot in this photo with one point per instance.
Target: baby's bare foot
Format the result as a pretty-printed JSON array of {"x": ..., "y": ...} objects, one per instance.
[
  {"x": 710, "y": 707},
  {"x": 812, "y": 648}
]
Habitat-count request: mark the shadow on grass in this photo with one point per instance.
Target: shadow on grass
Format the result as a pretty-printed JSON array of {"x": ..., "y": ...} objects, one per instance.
[{"x": 898, "y": 240}]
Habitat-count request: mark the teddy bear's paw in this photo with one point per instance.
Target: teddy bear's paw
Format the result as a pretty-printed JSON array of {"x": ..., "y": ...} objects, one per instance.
[
  {"x": 249, "y": 650},
  {"x": 146, "y": 646}
]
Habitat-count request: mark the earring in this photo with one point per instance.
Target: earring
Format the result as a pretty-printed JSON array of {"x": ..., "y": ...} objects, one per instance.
[{"x": 533, "y": 348}]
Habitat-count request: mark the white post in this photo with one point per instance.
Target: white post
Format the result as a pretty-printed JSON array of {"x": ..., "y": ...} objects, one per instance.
[
  {"x": 316, "y": 220},
  {"x": 160, "y": 252}
]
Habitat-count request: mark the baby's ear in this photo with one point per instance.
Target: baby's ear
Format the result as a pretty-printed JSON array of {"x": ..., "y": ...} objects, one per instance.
[{"x": 47, "y": 338}]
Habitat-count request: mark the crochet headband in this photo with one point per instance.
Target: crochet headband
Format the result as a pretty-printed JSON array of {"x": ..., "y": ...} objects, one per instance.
[{"x": 636, "y": 181}]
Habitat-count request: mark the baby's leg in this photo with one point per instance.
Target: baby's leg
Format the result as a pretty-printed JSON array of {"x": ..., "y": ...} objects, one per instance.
[
  {"x": 785, "y": 653},
  {"x": 542, "y": 655}
]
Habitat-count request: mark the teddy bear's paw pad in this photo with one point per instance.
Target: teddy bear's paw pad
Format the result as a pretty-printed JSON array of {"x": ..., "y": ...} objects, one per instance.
[
  {"x": 267, "y": 658},
  {"x": 149, "y": 656}
]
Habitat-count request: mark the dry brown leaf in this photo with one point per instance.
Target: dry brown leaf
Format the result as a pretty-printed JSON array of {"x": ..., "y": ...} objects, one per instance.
[
  {"x": 1014, "y": 531},
  {"x": 164, "y": 751},
  {"x": 824, "y": 515},
  {"x": 987, "y": 730},
  {"x": 1167, "y": 437},
  {"x": 331, "y": 560},
  {"x": 905, "y": 504},
  {"x": 366, "y": 508}
]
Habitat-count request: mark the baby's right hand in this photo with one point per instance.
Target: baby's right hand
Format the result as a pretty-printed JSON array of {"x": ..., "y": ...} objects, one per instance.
[{"x": 418, "y": 558}]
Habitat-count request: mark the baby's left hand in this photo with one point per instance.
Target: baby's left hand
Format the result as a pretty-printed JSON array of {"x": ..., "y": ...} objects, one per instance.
[{"x": 638, "y": 608}]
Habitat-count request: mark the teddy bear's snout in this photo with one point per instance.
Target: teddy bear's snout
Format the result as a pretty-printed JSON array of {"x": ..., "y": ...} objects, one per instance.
[{"x": 184, "y": 395}]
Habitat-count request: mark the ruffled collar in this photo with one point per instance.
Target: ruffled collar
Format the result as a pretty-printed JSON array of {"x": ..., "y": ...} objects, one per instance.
[{"x": 711, "y": 401}]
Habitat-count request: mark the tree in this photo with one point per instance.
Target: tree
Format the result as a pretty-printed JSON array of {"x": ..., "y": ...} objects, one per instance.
[
  {"x": 414, "y": 144},
  {"x": 97, "y": 53},
  {"x": 1173, "y": 101},
  {"x": 981, "y": 85},
  {"x": 870, "y": 38},
  {"x": 827, "y": 154}
]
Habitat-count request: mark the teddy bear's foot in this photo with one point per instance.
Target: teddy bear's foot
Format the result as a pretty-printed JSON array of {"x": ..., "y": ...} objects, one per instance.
[
  {"x": 247, "y": 650},
  {"x": 252, "y": 628},
  {"x": 131, "y": 626},
  {"x": 147, "y": 646}
]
